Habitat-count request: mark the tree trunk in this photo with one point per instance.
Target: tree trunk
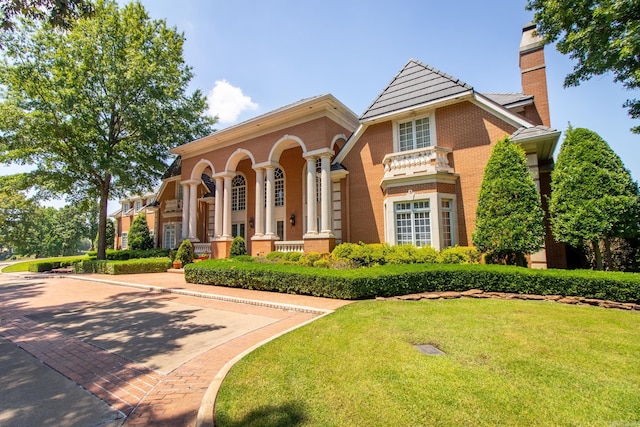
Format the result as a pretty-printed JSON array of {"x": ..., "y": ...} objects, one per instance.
[
  {"x": 102, "y": 218},
  {"x": 596, "y": 252},
  {"x": 607, "y": 253}
]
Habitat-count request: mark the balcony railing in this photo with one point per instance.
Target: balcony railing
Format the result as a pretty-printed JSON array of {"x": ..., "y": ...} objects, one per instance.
[
  {"x": 202, "y": 248},
  {"x": 290, "y": 246},
  {"x": 174, "y": 205},
  {"x": 424, "y": 161}
]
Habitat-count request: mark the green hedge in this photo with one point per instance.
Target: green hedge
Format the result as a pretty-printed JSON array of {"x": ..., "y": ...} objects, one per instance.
[
  {"x": 146, "y": 265},
  {"x": 123, "y": 255},
  {"x": 392, "y": 280}
]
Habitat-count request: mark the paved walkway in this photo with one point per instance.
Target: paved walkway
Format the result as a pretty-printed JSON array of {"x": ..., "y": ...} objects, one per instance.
[{"x": 146, "y": 388}]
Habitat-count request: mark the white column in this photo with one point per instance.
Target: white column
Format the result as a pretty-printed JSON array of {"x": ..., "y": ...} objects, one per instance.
[
  {"x": 325, "y": 202},
  {"x": 185, "y": 211},
  {"x": 259, "y": 214},
  {"x": 218, "y": 207},
  {"x": 226, "y": 219},
  {"x": 193, "y": 212},
  {"x": 312, "y": 227},
  {"x": 271, "y": 214}
]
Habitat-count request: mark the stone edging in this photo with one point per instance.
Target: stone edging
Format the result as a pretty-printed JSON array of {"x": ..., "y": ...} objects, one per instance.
[{"x": 477, "y": 293}]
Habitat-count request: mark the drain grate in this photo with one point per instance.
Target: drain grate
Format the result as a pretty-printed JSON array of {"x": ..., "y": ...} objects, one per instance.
[{"x": 429, "y": 349}]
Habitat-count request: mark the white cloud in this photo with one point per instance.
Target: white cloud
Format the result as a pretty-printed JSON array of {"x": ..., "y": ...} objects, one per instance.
[{"x": 228, "y": 102}]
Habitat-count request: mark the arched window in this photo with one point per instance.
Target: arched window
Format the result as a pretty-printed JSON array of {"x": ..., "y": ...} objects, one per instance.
[
  {"x": 279, "y": 187},
  {"x": 238, "y": 193}
]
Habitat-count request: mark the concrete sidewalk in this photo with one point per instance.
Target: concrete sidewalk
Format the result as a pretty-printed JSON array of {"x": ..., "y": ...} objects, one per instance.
[{"x": 46, "y": 313}]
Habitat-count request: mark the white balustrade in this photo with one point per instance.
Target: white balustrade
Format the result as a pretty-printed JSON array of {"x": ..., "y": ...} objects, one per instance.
[
  {"x": 201, "y": 248},
  {"x": 173, "y": 205},
  {"x": 290, "y": 246},
  {"x": 429, "y": 160}
]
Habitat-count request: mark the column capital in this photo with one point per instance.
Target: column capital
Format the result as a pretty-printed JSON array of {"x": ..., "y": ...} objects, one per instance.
[
  {"x": 322, "y": 152},
  {"x": 190, "y": 182},
  {"x": 224, "y": 175},
  {"x": 265, "y": 165}
]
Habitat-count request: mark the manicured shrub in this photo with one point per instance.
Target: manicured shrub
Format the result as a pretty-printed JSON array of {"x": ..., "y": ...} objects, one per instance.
[
  {"x": 390, "y": 280},
  {"x": 40, "y": 267},
  {"x": 322, "y": 263},
  {"x": 293, "y": 257},
  {"x": 310, "y": 258},
  {"x": 403, "y": 254},
  {"x": 244, "y": 258},
  {"x": 344, "y": 250},
  {"x": 146, "y": 265},
  {"x": 275, "y": 256},
  {"x": 185, "y": 252},
  {"x": 139, "y": 234},
  {"x": 460, "y": 255},
  {"x": 428, "y": 254},
  {"x": 238, "y": 247}
]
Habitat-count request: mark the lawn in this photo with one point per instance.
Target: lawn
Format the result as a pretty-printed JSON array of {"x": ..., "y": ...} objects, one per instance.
[
  {"x": 515, "y": 363},
  {"x": 24, "y": 265}
]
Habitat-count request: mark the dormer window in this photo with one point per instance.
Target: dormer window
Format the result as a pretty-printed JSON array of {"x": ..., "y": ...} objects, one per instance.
[{"x": 414, "y": 134}]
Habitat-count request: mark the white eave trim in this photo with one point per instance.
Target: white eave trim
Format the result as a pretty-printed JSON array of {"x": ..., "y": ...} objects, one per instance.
[{"x": 488, "y": 105}]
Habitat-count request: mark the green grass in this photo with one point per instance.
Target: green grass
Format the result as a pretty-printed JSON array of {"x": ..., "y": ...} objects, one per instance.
[
  {"x": 24, "y": 265},
  {"x": 516, "y": 363}
]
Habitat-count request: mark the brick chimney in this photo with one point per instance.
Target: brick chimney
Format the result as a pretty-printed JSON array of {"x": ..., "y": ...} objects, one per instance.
[{"x": 534, "y": 75}]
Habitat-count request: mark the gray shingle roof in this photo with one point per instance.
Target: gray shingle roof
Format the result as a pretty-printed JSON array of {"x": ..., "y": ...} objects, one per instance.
[
  {"x": 508, "y": 99},
  {"x": 532, "y": 132},
  {"x": 414, "y": 85},
  {"x": 174, "y": 169}
]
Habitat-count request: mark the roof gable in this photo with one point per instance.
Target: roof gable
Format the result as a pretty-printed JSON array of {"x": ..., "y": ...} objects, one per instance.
[{"x": 415, "y": 84}]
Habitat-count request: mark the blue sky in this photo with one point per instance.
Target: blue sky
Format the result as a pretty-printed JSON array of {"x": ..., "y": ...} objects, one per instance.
[{"x": 261, "y": 55}]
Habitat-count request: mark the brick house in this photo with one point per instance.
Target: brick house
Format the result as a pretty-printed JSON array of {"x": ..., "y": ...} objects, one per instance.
[
  {"x": 313, "y": 174},
  {"x": 131, "y": 207}
]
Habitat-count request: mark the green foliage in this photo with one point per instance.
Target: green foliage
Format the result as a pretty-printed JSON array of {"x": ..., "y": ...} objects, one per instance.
[
  {"x": 309, "y": 258},
  {"x": 322, "y": 263},
  {"x": 391, "y": 280},
  {"x": 601, "y": 36},
  {"x": 96, "y": 108},
  {"x": 593, "y": 197},
  {"x": 110, "y": 236},
  {"x": 134, "y": 266},
  {"x": 59, "y": 14},
  {"x": 185, "y": 252},
  {"x": 139, "y": 235},
  {"x": 125, "y": 254},
  {"x": 238, "y": 247},
  {"x": 427, "y": 254},
  {"x": 30, "y": 229},
  {"x": 509, "y": 217},
  {"x": 460, "y": 255},
  {"x": 275, "y": 256}
]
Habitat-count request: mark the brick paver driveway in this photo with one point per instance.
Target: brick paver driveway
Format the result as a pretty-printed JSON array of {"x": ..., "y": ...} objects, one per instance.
[{"x": 149, "y": 354}]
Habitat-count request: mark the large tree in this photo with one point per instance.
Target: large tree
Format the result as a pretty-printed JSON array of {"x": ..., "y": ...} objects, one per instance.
[
  {"x": 59, "y": 13},
  {"x": 602, "y": 36},
  {"x": 509, "y": 217},
  {"x": 97, "y": 107},
  {"x": 594, "y": 198}
]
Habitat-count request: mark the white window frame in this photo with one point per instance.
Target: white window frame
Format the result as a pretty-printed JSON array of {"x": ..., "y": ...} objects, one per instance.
[
  {"x": 177, "y": 235},
  {"x": 239, "y": 195},
  {"x": 137, "y": 206},
  {"x": 125, "y": 240},
  {"x": 432, "y": 131},
  {"x": 435, "y": 203}
]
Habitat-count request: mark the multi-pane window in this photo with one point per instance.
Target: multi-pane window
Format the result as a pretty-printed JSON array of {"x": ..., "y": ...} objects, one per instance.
[
  {"x": 414, "y": 134},
  {"x": 138, "y": 205},
  {"x": 318, "y": 180},
  {"x": 413, "y": 223},
  {"x": 445, "y": 212},
  {"x": 279, "y": 188},
  {"x": 179, "y": 191},
  {"x": 238, "y": 193},
  {"x": 169, "y": 236},
  {"x": 125, "y": 240}
]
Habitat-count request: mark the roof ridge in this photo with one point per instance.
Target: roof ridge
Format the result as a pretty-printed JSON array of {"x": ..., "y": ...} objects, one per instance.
[{"x": 397, "y": 87}]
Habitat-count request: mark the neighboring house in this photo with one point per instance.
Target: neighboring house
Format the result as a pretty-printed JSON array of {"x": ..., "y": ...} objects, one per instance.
[
  {"x": 131, "y": 207},
  {"x": 313, "y": 174}
]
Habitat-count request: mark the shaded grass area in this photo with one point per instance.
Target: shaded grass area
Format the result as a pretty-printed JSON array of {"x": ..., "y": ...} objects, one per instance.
[
  {"x": 506, "y": 363},
  {"x": 24, "y": 265}
]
